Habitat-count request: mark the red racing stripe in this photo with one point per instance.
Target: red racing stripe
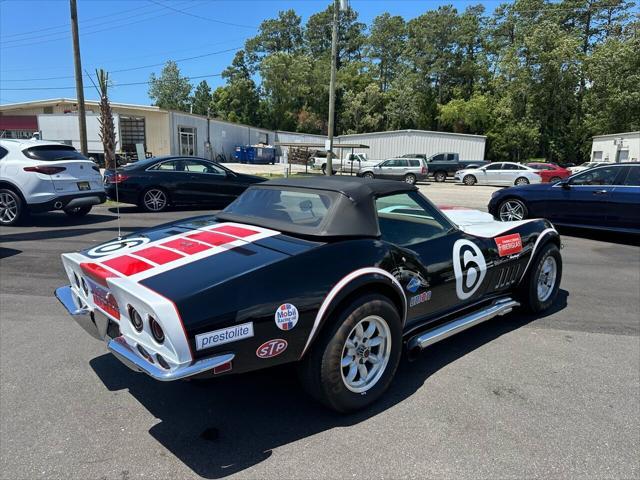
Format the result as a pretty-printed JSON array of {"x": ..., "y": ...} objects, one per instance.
[
  {"x": 186, "y": 246},
  {"x": 212, "y": 238},
  {"x": 158, "y": 255},
  {"x": 235, "y": 231},
  {"x": 96, "y": 272},
  {"x": 127, "y": 265}
]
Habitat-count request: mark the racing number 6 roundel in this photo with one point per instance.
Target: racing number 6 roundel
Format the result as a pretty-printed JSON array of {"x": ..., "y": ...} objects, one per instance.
[{"x": 469, "y": 267}]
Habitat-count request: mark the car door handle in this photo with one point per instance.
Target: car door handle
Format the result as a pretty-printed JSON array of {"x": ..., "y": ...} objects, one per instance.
[{"x": 600, "y": 192}]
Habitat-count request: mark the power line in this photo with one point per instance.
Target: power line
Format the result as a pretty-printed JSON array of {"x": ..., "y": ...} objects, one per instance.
[
  {"x": 253, "y": 27},
  {"x": 142, "y": 67},
  {"x": 115, "y": 84}
]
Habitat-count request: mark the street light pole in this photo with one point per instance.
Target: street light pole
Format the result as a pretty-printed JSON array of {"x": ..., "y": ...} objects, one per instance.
[
  {"x": 332, "y": 85},
  {"x": 82, "y": 118}
]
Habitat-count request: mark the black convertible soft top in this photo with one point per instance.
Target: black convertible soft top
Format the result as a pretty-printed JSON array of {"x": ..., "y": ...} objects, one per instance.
[{"x": 352, "y": 214}]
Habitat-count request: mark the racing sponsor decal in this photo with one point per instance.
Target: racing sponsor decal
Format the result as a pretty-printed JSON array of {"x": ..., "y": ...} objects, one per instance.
[
  {"x": 509, "y": 244},
  {"x": 116, "y": 246},
  {"x": 469, "y": 267},
  {"x": 272, "y": 348},
  {"x": 225, "y": 335},
  {"x": 286, "y": 316},
  {"x": 414, "y": 284},
  {"x": 421, "y": 298}
]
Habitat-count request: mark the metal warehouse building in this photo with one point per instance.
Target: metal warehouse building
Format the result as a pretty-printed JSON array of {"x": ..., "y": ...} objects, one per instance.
[
  {"x": 616, "y": 147},
  {"x": 400, "y": 142}
]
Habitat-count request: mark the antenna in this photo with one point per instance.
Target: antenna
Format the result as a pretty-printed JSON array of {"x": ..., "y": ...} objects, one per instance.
[{"x": 116, "y": 170}]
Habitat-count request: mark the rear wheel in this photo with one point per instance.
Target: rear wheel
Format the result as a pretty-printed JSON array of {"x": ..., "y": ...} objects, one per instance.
[
  {"x": 542, "y": 283},
  {"x": 521, "y": 181},
  {"x": 512, "y": 209},
  {"x": 469, "y": 180},
  {"x": 410, "y": 178},
  {"x": 11, "y": 207},
  {"x": 440, "y": 176},
  {"x": 555, "y": 179},
  {"x": 154, "y": 200},
  {"x": 78, "y": 211},
  {"x": 353, "y": 362}
]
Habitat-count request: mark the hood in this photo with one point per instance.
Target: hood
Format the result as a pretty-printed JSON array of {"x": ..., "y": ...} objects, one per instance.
[{"x": 479, "y": 224}]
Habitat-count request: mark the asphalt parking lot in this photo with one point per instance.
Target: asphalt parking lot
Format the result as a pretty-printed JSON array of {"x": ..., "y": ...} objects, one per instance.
[{"x": 556, "y": 396}]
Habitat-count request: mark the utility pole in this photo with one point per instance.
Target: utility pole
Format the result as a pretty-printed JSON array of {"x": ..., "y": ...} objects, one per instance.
[
  {"x": 337, "y": 4},
  {"x": 82, "y": 119}
]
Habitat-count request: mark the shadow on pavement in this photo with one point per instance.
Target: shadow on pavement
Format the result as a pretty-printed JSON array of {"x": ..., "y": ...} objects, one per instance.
[
  {"x": 223, "y": 426},
  {"x": 8, "y": 252},
  {"x": 191, "y": 208},
  {"x": 59, "y": 219},
  {"x": 53, "y": 234},
  {"x": 601, "y": 235}
]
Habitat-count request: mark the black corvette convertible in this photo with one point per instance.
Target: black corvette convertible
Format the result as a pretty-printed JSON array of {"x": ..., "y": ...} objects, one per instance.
[{"x": 337, "y": 274}]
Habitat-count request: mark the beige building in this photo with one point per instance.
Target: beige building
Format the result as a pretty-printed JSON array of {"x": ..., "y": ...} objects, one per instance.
[{"x": 616, "y": 147}]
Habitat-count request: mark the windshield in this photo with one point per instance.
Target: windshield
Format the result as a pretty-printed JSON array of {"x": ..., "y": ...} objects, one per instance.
[
  {"x": 304, "y": 210},
  {"x": 54, "y": 152}
]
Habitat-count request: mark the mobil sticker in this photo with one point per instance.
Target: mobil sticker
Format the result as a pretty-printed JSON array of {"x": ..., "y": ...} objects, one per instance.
[{"x": 286, "y": 316}]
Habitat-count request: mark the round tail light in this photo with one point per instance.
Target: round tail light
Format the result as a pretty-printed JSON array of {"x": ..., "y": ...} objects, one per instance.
[
  {"x": 156, "y": 330},
  {"x": 135, "y": 318}
]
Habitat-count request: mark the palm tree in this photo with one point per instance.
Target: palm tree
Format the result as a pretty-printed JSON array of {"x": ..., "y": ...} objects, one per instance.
[{"x": 107, "y": 128}]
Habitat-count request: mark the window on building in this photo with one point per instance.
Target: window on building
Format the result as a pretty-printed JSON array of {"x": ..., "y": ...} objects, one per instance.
[
  {"x": 47, "y": 110},
  {"x": 132, "y": 132},
  {"x": 597, "y": 156},
  {"x": 263, "y": 138},
  {"x": 187, "y": 141}
]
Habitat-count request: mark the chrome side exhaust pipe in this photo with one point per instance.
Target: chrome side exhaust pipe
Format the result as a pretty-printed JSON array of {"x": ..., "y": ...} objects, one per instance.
[{"x": 423, "y": 340}]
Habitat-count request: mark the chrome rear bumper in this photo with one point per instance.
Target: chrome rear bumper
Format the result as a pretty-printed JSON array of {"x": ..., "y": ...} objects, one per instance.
[{"x": 97, "y": 325}]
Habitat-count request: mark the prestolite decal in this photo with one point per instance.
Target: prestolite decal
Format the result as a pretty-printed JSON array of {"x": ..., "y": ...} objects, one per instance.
[
  {"x": 225, "y": 335},
  {"x": 469, "y": 267}
]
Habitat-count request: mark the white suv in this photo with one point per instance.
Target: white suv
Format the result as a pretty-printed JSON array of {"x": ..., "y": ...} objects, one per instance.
[{"x": 39, "y": 176}]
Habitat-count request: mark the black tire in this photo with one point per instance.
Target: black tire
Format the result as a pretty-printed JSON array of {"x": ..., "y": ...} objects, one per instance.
[
  {"x": 521, "y": 181},
  {"x": 368, "y": 175},
  {"x": 78, "y": 211},
  {"x": 469, "y": 180},
  {"x": 146, "y": 205},
  {"x": 440, "y": 176},
  {"x": 12, "y": 208},
  {"x": 510, "y": 208},
  {"x": 321, "y": 373},
  {"x": 410, "y": 178},
  {"x": 528, "y": 291},
  {"x": 554, "y": 179}
]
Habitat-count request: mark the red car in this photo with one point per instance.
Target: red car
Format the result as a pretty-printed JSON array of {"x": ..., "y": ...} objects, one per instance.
[{"x": 550, "y": 172}]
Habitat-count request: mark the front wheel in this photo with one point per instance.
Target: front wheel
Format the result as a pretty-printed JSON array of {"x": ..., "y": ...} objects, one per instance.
[
  {"x": 521, "y": 181},
  {"x": 542, "y": 283},
  {"x": 469, "y": 180},
  {"x": 440, "y": 176},
  {"x": 355, "y": 359},
  {"x": 78, "y": 211},
  {"x": 410, "y": 178},
  {"x": 368, "y": 175}
]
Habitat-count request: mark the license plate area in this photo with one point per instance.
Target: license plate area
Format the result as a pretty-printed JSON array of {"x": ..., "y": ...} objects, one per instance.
[
  {"x": 84, "y": 186},
  {"x": 104, "y": 299}
]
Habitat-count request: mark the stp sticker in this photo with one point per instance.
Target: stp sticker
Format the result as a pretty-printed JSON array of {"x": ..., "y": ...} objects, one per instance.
[
  {"x": 272, "y": 348},
  {"x": 509, "y": 244},
  {"x": 286, "y": 316}
]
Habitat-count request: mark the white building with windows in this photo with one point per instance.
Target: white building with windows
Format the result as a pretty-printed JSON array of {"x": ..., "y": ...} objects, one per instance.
[{"x": 616, "y": 147}]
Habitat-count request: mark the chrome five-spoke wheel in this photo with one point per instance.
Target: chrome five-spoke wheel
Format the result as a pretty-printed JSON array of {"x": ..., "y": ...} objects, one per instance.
[
  {"x": 547, "y": 278},
  {"x": 155, "y": 200},
  {"x": 512, "y": 210},
  {"x": 366, "y": 353}
]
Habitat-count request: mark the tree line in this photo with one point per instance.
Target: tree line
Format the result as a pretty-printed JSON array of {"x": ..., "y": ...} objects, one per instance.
[{"x": 538, "y": 78}]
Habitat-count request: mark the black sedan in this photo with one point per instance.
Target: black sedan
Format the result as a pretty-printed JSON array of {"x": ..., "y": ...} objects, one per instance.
[
  {"x": 606, "y": 197},
  {"x": 156, "y": 183},
  {"x": 339, "y": 274}
]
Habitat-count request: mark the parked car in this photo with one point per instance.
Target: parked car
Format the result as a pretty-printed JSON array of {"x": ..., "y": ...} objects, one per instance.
[
  {"x": 38, "y": 176},
  {"x": 349, "y": 270},
  {"x": 410, "y": 170},
  {"x": 350, "y": 163},
  {"x": 443, "y": 165},
  {"x": 156, "y": 183},
  {"x": 550, "y": 172},
  {"x": 499, "y": 173},
  {"x": 606, "y": 197},
  {"x": 585, "y": 166}
]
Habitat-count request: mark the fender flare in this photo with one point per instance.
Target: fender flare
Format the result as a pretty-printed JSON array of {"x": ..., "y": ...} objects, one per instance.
[
  {"x": 550, "y": 234},
  {"x": 12, "y": 186},
  {"x": 348, "y": 284}
]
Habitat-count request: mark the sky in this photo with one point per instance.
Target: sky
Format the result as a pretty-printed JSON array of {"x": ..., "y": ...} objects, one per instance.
[{"x": 133, "y": 38}]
